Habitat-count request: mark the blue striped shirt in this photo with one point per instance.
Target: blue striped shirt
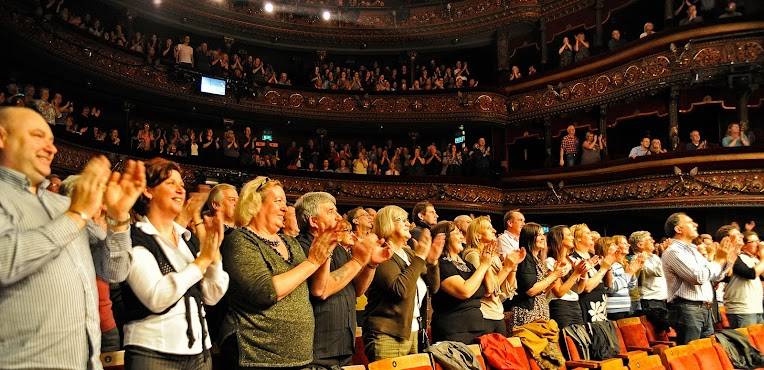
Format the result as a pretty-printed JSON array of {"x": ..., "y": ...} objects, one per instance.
[
  {"x": 689, "y": 275},
  {"x": 48, "y": 268}
]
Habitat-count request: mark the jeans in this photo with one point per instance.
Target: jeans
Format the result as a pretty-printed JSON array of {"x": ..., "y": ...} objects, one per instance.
[
  {"x": 741, "y": 320},
  {"x": 691, "y": 321}
]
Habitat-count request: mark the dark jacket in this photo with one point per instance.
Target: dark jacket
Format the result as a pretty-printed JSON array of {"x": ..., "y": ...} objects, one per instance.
[
  {"x": 740, "y": 351},
  {"x": 390, "y": 308}
]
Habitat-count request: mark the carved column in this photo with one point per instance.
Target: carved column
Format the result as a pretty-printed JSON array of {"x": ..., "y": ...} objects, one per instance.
[
  {"x": 412, "y": 57},
  {"x": 742, "y": 110},
  {"x": 603, "y": 129},
  {"x": 544, "y": 49},
  {"x": 598, "y": 7},
  {"x": 673, "y": 143},
  {"x": 548, "y": 141},
  {"x": 502, "y": 49}
]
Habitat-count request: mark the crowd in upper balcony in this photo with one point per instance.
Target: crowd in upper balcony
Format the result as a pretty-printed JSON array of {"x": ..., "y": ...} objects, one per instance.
[
  {"x": 575, "y": 48},
  {"x": 246, "y": 70}
]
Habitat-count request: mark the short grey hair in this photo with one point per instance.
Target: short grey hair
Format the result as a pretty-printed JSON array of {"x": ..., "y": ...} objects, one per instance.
[
  {"x": 216, "y": 194},
  {"x": 306, "y": 207},
  {"x": 67, "y": 185}
]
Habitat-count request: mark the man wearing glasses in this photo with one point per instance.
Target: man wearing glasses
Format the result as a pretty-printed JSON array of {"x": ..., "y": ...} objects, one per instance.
[
  {"x": 222, "y": 200},
  {"x": 743, "y": 294}
]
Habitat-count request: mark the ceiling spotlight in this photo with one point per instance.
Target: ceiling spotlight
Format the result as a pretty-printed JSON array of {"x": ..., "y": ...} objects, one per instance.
[
  {"x": 325, "y": 15},
  {"x": 157, "y": 2},
  {"x": 268, "y": 7}
]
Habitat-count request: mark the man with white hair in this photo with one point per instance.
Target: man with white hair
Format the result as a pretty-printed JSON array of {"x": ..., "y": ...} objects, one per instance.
[
  {"x": 338, "y": 282},
  {"x": 462, "y": 222},
  {"x": 509, "y": 240},
  {"x": 222, "y": 200}
]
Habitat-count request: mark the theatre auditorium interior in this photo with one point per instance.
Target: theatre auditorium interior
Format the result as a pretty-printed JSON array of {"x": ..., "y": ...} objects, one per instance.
[{"x": 381, "y": 184}]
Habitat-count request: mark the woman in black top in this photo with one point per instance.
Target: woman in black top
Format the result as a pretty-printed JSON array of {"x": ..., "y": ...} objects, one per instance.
[{"x": 456, "y": 306}]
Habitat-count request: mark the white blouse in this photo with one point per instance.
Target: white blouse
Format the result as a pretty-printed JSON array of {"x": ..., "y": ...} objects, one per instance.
[{"x": 166, "y": 333}]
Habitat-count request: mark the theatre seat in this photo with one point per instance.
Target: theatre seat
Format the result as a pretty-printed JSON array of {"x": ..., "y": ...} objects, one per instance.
[
  {"x": 113, "y": 360},
  {"x": 647, "y": 363},
  {"x": 576, "y": 361},
  {"x": 624, "y": 353},
  {"x": 680, "y": 358},
  {"x": 420, "y": 361},
  {"x": 635, "y": 336},
  {"x": 756, "y": 336},
  {"x": 711, "y": 355},
  {"x": 354, "y": 367}
]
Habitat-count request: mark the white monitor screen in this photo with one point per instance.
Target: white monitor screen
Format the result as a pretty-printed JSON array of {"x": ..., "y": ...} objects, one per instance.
[{"x": 213, "y": 86}]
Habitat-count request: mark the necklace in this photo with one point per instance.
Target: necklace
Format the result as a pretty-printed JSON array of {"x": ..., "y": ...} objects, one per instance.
[{"x": 268, "y": 242}]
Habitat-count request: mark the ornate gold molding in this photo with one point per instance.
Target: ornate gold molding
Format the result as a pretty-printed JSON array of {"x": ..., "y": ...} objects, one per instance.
[
  {"x": 661, "y": 189},
  {"x": 126, "y": 69},
  {"x": 624, "y": 76}
]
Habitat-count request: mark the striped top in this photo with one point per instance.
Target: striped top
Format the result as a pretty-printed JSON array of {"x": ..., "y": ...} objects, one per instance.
[
  {"x": 689, "y": 275},
  {"x": 48, "y": 268}
]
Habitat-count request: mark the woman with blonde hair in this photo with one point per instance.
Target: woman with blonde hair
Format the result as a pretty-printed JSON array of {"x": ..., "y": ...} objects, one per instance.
[
  {"x": 270, "y": 319},
  {"x": 499, "y": 281},
  {"x": 593, "y": 298},
  {"x": 624, "y": 278},
  {"x": 394, "y": 311}
]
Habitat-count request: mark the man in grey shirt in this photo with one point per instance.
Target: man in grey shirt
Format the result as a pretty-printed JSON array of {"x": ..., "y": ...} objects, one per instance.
[{"x": 49, "y": 252}]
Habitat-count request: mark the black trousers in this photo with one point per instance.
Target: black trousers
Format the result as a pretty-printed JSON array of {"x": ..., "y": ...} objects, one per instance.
[{"x": 139, "y": 358}]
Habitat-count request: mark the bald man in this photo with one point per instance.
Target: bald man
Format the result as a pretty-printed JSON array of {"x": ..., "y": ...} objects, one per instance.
[{"x": 51, "y": 252}]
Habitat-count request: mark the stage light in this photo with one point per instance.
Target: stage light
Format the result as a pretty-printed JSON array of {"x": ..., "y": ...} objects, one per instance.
[
  {"x": 157, "y": 2},
  {"x": 268, "y": 7},
  {"x": 326, "y": 15}
]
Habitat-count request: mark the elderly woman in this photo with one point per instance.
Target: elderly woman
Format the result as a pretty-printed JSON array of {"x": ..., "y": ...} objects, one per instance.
[
  {"x": 563, "y": 296},
  {"x": 623, "y": 280},
  {"x": 533, "y": 278},
  {"x": 456, "y": 306},
  {"x": 270, "y": 319},
  {"x": 172, "y": 275},
  {"x": 499, "y": 282},
  {"x": 396, "y": 295}
]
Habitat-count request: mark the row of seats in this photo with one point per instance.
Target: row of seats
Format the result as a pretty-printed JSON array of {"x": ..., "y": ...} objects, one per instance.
[{"x": 641, "y": 348}]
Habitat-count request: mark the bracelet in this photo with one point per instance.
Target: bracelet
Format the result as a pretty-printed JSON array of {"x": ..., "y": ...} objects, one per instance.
[{"x": 117, "y": 223}]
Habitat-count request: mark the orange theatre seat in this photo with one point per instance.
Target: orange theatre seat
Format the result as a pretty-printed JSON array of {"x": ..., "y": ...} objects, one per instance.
[
  {"x": 113, "y": 360},
  {"x": 647, "y": 363},
  {"x": 475, "y": 348},
  {"x": 575, "y": 360},
  {"x": 710, "y": 355},
  {"x": 354, "y": 367},
  {"x": 680, "y": 358},
  {"x": 756, "y": 336},
  {"x": 419, "y": 361},
  {"x": 635, "y": 336}
]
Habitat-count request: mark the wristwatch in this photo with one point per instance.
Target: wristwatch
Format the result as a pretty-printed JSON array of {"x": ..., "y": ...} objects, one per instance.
[
  {"x": 84, "y": 216},
  {"x": 117, "y": 223}
]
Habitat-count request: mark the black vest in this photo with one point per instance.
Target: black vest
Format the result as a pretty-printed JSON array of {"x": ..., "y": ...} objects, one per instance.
[{"x": 135, "y": 310}]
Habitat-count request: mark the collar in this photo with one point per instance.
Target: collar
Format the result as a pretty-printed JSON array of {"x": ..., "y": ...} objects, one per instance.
[
  {"x": 20, "y": 180},
  {"x": 147, "y": 227},
  {"x": 511, "y": 236}
]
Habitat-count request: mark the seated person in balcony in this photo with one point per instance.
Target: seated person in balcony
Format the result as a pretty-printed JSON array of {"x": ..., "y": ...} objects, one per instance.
[
  {"x": 569, "y": 148},
  {"x": 615, "y": 40},
  {"x": 515, "y": 75},
  {"x": 692, "y": 16},
  {"x": 566, "y": 52},
  {"x": 649, "y": 29},
  {"x": 184, "y": 53},
  {"x": 730, "y": 11},
  {"x": 642, "y": 149},
  {"x": 695, "y": 142},
  {"x": 656, "y": 147},
  {"x": 735, "y": 137},
  {"x": 581, "y": 48}
]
